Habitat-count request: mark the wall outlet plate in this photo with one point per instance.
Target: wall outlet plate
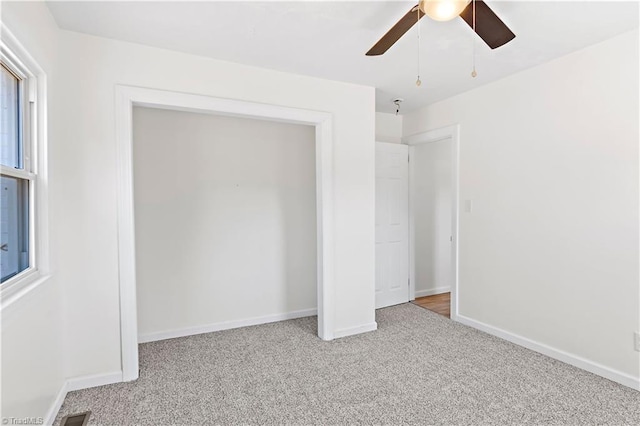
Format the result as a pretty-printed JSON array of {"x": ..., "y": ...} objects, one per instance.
[{"x": 636, "y": 341}]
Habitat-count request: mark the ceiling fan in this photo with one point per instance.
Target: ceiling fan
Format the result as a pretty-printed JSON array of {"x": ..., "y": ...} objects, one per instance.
[{"x": 487, "y": 25}]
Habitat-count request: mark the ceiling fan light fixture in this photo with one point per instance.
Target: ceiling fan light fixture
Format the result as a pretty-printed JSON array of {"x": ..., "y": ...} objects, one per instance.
[{"x": 443, "y": 10}]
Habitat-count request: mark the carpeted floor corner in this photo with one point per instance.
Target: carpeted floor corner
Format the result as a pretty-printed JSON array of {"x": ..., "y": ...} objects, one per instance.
[{"x": 417, "y": 368}]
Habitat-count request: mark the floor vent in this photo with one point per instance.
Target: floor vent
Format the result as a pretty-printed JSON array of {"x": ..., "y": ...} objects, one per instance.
[{"x": 80, "y": 419}]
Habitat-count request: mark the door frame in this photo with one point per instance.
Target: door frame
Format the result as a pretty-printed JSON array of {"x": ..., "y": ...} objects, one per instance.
[
  {"x": 126, "y": 98},
  {"x": 449, "y": 132}
]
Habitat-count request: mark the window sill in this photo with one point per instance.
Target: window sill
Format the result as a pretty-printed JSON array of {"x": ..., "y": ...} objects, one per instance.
[{"x": 24, "y": 283}]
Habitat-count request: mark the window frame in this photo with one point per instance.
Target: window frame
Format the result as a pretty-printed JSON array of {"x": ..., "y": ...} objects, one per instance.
[{"x": 32, "y": 133}]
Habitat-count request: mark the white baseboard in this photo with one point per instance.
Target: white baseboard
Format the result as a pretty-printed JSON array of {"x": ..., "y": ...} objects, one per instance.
[
  {"x": 85, "y": 382},
  {"x": 77, "y": 383},
  {"x": 355, "y": 330},
  {"x": 582, "y": 363},
  {"x": 431, "y": 292},
  {"x": 225, "y": 325}
]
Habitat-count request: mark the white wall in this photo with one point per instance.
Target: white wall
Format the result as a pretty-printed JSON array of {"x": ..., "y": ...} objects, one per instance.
[
  {"x": 225, "y": 217},
  {"x": 32, "y": 337},
  {"x": 388, "y": 127},
  {"x": 92, "y": 68},
  {"x": 549, "y": 157},
  {"x": 432, "y": 202}
]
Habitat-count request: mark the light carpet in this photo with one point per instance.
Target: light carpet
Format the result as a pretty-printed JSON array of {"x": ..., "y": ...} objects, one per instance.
[{"x": 417, "y": 368}]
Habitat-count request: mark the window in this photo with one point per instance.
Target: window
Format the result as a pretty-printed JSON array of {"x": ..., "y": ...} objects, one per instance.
[
  {"x": 18, "y": 172},
  {"x": 16, "y": 178}
]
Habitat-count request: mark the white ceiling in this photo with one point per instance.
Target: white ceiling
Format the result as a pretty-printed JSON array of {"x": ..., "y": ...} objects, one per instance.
[{"x": 329, "y": 39}]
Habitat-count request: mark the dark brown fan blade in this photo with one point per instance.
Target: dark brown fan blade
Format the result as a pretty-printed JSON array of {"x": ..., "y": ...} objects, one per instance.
[
  {"x": 489, "y": 27},
  {"x": 397, "y": 31}
]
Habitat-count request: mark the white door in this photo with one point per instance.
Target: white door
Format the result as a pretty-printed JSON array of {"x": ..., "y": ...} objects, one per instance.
[{"x": 392, "y": 224}]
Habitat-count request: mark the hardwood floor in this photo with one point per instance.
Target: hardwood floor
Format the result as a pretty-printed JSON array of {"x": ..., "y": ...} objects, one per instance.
[{"x": 438, "y": 303}]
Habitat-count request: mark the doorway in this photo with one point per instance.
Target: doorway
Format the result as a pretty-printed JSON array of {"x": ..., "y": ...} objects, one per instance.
[
  {"x": 225, "y": 222},
  {"x": 126, "y": 98},
  {"x": 433, "y": 219},
  {"x": 431, "y": 224},
  {"x": 417, "y": 221}
]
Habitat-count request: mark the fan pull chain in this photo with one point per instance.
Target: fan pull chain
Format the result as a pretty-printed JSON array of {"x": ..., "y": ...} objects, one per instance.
[
  {"x": 418, "y": 81},
  {"x": 474, "y": 74}
]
